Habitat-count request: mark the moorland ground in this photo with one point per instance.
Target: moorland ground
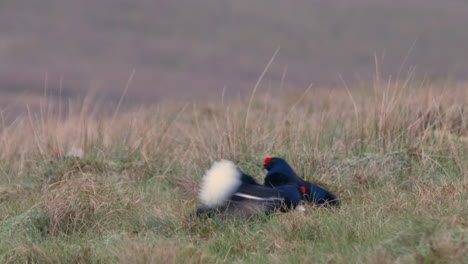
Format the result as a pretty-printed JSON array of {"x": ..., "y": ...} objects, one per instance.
[{"x": 394, "y": 152}]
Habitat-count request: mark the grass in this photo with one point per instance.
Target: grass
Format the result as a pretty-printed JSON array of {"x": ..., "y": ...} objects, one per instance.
[{"x": 395, "y": 153}]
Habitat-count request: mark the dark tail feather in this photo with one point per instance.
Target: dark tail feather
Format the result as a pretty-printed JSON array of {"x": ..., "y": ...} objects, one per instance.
[
  {"x": 248, "y": 179},
  {"x": 320, "y": 196},
  {"x": 251, "y": 199}
]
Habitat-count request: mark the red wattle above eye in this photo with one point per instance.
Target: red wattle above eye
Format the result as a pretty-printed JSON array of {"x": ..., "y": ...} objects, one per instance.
[
  {"x": 303, "y": 189},
  {"x": 266, "y": 160}
]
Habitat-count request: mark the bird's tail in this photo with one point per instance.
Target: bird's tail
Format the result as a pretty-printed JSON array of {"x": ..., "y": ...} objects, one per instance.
[
  {"x": 219, "y": 183},
  {"x": 320, "y": 196}
]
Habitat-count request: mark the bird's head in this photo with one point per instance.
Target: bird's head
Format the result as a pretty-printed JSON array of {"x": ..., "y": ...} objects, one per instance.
[
  {"x": 266, "y": 162},
  {"x": 306, "y": 189},
  {"x": 269, "y": 162}
]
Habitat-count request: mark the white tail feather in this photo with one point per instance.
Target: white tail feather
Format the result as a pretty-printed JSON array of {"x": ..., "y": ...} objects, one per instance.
[{"x": 219, "y": 183}]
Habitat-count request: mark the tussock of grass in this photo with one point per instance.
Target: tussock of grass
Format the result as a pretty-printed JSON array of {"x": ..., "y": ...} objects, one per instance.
[
  {"x": 396, "y": 155},
  {"x": 78, "y": 205}
]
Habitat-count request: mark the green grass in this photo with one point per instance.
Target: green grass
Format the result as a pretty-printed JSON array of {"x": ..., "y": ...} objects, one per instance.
[{"x": 395, "y": 155}]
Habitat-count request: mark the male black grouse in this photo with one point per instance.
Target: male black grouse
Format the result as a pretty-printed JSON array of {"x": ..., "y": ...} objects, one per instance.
[
  {"x": 227, "y": 192},
  {"x": 280, "y": 173}
]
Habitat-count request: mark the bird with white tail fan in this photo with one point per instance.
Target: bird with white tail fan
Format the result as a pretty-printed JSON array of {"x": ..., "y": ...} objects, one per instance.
[
  {"x": 220, "y": 182},
  {"x": 227, "y": 192}
]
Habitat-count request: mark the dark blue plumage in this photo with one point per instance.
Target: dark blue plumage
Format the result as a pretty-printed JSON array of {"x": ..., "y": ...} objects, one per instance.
[
  {"x": 247, "y": 197},
  {"x": 283, "y": 198},
  {"x": 280, "y": 173}
]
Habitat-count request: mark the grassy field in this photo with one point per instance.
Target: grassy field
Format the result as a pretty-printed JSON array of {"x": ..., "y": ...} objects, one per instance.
[{"x": 395, "y": 153}]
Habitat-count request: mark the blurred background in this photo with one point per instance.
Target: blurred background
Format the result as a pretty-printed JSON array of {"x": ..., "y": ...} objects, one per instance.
[{"x": 200, "y": 48}]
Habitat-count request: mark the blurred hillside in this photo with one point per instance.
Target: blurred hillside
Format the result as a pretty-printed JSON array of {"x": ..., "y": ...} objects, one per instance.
[{"x": 193, "y": 48}]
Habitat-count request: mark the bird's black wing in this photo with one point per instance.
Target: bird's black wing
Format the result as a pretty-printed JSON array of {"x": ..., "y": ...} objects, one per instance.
[{"x": 276, "y": 179}]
